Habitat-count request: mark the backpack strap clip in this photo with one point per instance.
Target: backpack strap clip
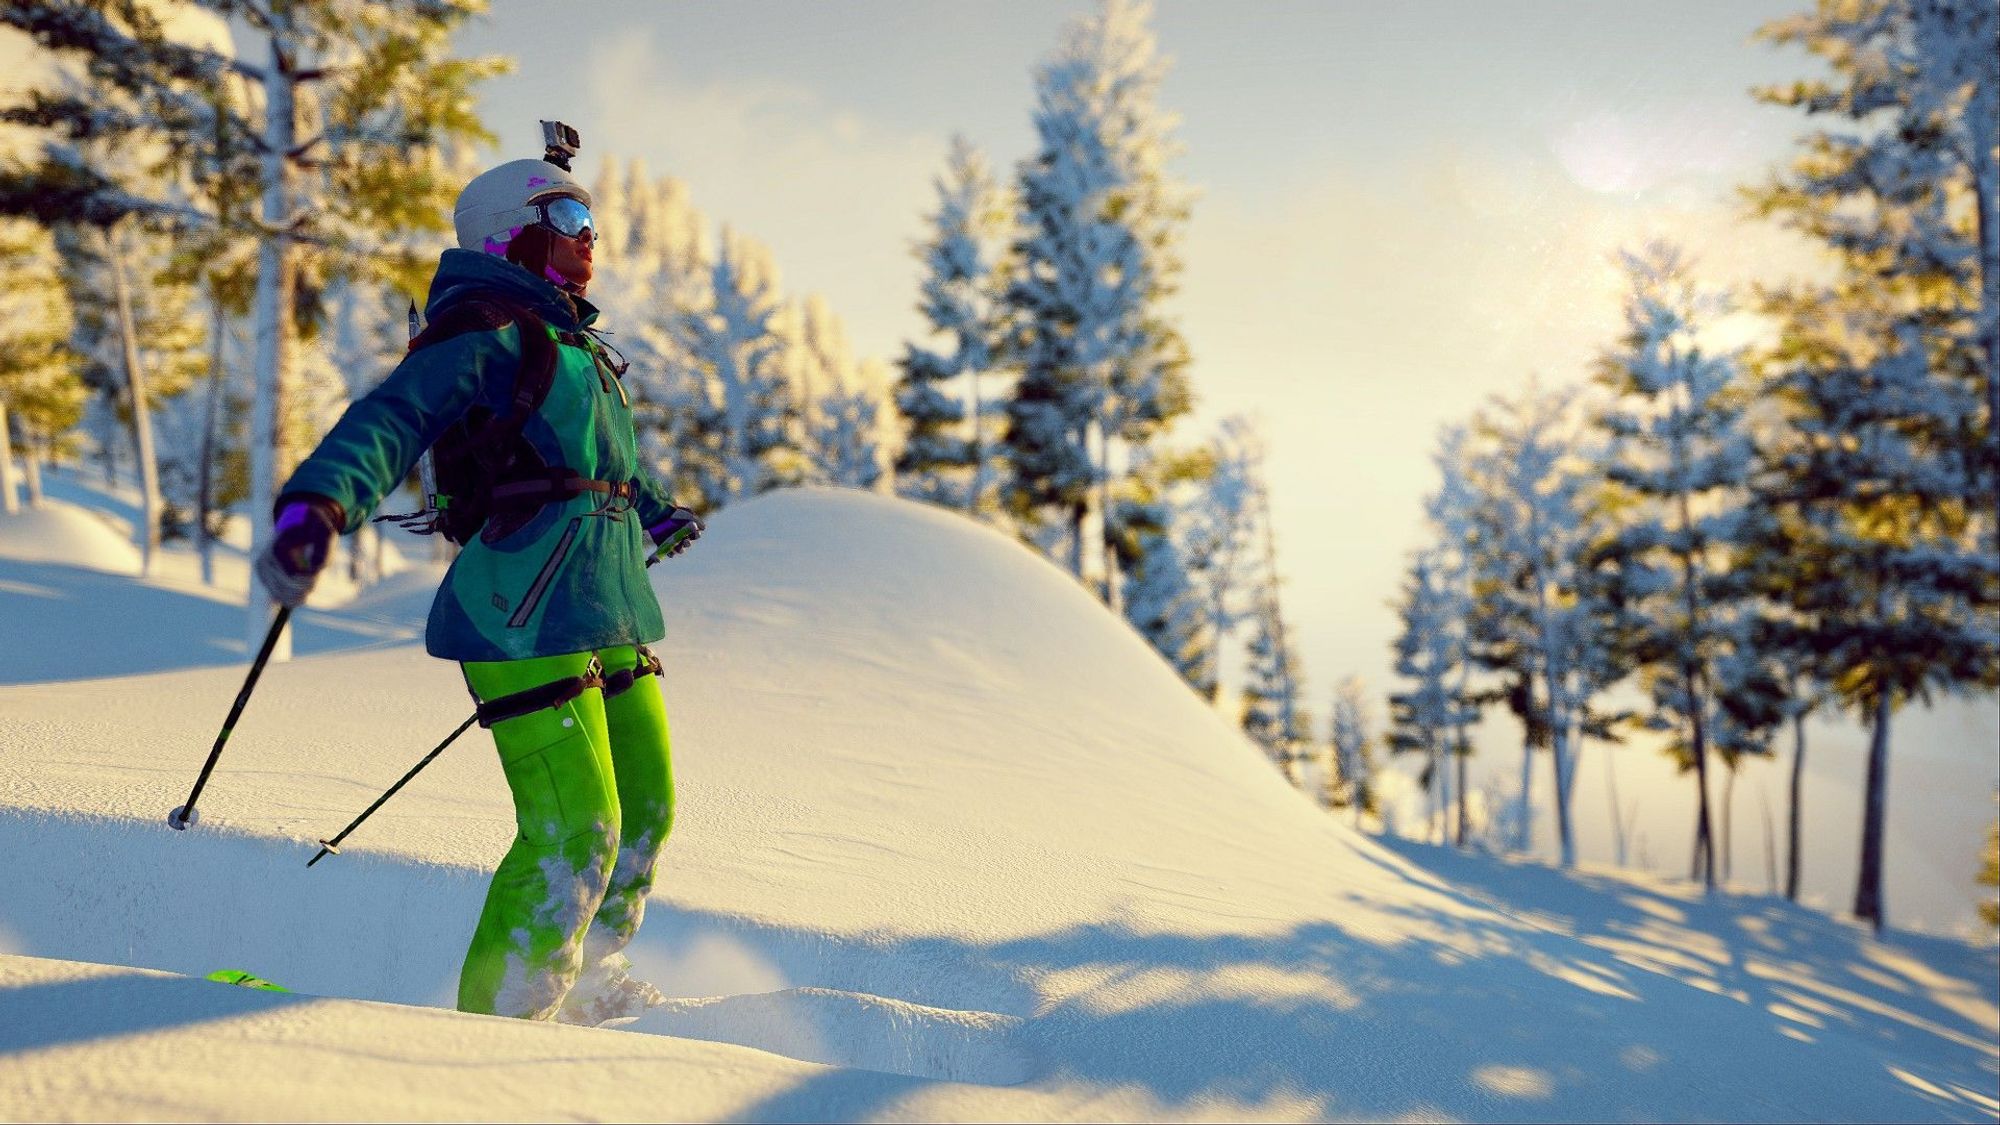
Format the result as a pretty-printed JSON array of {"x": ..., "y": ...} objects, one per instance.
[
  {"x": 618, "y": 683},
  {"x": 542, "y": 697}
]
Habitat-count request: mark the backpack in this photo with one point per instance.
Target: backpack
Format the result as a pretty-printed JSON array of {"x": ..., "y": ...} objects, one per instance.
[{"x": 483, "y": 451}]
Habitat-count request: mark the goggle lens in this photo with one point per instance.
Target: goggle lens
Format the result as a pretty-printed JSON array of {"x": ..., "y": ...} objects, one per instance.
[{"x": 567, "y": 217}]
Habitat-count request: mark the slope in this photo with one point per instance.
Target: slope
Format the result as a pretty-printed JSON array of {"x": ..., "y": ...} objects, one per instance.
[{"x": 950, "y": 837}]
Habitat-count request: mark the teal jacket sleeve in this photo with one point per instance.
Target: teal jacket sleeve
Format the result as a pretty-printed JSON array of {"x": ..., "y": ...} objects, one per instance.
[
  {"x": 372, "y": 448},
  {"x": 652, "y": 503}
]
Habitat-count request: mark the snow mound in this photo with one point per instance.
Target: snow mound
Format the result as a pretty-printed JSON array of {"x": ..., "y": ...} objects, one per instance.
[
  {"x": 67, "y": 534},
  {"x": 952, "y": 841},
  {"x": 840, "y": 1028}
]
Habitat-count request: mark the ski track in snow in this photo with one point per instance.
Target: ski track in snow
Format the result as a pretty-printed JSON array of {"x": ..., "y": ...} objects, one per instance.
[{"x": 951, "y": 843}]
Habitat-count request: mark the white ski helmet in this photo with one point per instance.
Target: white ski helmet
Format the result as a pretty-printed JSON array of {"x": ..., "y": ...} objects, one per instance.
[{"x": 499, "y": 202}]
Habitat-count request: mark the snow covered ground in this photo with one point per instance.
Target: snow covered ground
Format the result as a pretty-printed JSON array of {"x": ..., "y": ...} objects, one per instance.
[{"x": 952, "y": 843}]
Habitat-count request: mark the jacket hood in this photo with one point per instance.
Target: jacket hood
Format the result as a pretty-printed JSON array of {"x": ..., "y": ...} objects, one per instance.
[{"x": 463, "y": 273}]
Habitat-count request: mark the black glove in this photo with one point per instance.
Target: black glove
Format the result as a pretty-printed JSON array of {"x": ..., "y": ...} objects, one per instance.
[{"x": 301, "y": 541}]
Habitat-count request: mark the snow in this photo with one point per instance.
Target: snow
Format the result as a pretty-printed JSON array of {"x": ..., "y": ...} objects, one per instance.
[{"x": 952, "y": 842}]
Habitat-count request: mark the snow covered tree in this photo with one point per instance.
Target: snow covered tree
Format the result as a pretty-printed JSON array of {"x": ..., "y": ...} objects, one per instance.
[
  {"x": 1915, "y": 190},
  {"x": 1883, "y": 483},
  {"x": 41, "y": 395},
  {"x": 1351, "y": 781},
  {"x": 141, "y": 337},
  {"x": 1878, "y": 528},
  {"x": 1433, "y": 651},
  {"x": 654, "y": 272},
  {"x": 338, "y": 134},
  {"x": 1164, "y": 596},
  {"x": 1542, "y": 618},
  {"x": 738, "y": 441},
  {"x": 846, "y": 441},
  {"x": 1678, "y": 462},
  {"x": 1097, "y": 362},
  {"x": 1431, "y": 715},
  {"x": 1272, "y": 689},
  {"x": 946, "y": 456},
  {"x": 1218, "y": 528}
]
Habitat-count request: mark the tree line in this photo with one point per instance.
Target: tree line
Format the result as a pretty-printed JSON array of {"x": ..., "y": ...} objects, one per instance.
[
  {"x": 1750, "y": 536},
  {"x": 1738, "y": 539}
]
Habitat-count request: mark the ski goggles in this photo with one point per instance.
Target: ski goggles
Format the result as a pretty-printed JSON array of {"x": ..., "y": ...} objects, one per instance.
[{"x": 565, "y": 215}]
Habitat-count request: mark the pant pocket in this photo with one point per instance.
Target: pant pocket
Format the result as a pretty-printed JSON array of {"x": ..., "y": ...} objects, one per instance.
[{"x": 538, "y": 805}]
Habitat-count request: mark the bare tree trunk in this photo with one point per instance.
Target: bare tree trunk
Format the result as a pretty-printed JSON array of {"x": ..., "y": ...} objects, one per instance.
[
  {"x": 1868, "y": 903},
  {"x": 32, "y": 453},
  {"x": 1463, "y": 754},
  {"x": 142, "y": 414},
  {"x": 1617, "y": 817},
  {"x": 1729, "y": 823},
  {"x": 977, "y": 485},
  {"x": 1524, "y": 833},
  {"x": 1792, "y": 827},
  {"x": 10, "y": 501},
  {"x": 1565, "y": 834},
  {"x": 211, "y": 424},
  {"x": 1704, "y": 831},
  {"x": 1441, "y": 769},
  {"x": 1109, "y": 562},
  {"x": 276, "y": 279},
  {"x": 1770, "y": 844}
]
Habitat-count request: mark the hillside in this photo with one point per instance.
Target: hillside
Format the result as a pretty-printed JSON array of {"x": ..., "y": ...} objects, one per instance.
[{"x": 952, "y": 842}]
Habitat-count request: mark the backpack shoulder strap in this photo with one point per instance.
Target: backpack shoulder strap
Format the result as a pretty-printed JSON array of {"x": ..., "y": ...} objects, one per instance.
[{"x": 486, "y": 312}]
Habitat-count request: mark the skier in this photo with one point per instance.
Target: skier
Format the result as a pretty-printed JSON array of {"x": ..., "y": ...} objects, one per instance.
[{"x": 547, "y": 608}]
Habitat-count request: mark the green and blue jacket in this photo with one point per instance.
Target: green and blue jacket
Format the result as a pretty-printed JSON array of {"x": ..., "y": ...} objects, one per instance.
[{"x": 573, "y": 578}]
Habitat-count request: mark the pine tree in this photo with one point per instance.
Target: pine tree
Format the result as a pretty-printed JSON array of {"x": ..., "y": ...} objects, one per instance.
[
  {"x": 1217, "y": 530},
  {"x": 941, "y": 461},
  {"x": 1922, "y": 78},
  {"x": 653, "y": 273},
  {"x": 1879, "y": 536},
  {"x": 1164, "y": 598},
  {"x": 1883, "y": 481},
  {"x": 142, "y": 339},
  {"x": 1097, "y": 362},
  {"x": 1429, "y": 718},
  {"x": 847, "y": 441},
  {"x": 339, "y": 140},
  {"x": 1433, "y": 651},
  {"x": 1351, "y": 781},
  {"x": 738, "y": 441},
  {"x": 1679, "y": 462},
  {"x": 1272, "y": 715},
  {"x": 41, "y": 395},
  {"x": 1542, "y": 619}
]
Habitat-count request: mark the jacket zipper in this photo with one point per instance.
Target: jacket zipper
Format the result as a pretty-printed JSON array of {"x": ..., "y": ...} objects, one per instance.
[{"x": 540, "y": 587}]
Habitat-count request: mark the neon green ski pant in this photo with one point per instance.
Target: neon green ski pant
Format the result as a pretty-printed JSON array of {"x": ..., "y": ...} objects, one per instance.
[{"x": 593, "y": 803}]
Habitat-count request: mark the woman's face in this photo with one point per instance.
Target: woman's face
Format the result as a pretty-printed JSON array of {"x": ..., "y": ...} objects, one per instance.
[{"x": 570, "y": 257}]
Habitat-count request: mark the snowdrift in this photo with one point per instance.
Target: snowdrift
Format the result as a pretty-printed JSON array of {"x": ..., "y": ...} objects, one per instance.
[{"x": 952, "y": 842}]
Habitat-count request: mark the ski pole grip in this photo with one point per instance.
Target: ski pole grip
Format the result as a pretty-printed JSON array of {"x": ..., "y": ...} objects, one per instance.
[{"x": 667, "y": 545}]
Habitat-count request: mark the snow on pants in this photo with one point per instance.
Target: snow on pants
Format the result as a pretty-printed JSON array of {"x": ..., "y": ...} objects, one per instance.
[{"x": 593, "y": 802}]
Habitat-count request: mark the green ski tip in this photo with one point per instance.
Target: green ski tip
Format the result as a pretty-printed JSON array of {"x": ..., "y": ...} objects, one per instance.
[{"x": 245, "y": 980}]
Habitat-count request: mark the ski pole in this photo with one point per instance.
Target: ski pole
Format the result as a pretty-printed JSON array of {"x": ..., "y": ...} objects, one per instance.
[
  {"x": 332, "y": 847},
  {"x": 180, "y": 818}
]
